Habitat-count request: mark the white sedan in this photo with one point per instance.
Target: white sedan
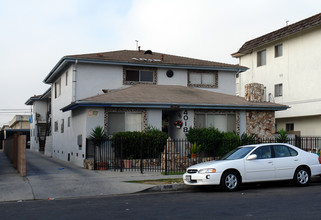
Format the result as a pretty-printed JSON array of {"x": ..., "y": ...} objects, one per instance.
[{"x": 256, "y": 163}]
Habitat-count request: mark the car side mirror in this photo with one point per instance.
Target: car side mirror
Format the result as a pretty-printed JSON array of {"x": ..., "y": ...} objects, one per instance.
[{"x": 252, "y": 157}]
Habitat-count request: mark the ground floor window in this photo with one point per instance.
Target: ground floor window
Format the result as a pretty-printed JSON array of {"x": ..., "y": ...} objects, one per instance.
[
  {"x": 124, "y": 121},
  {"x": 223, "y": 122}
]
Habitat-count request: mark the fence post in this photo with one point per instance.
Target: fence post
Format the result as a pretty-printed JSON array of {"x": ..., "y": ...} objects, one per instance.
[
  {"x": 121, "y": 154},
  {"x": 166, "y": 157},
  {"x": 141, "y": 156}
]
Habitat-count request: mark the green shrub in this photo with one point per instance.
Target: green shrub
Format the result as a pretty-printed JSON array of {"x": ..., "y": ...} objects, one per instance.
[
  {"x": 195, "y": 148},
  {"x": 231, "y": 140},
  {"x": 209, "y": 138},
  {"x": 128, "y": 144},
  {"x": 282, "y": 136},
  {"x": 248, "y": 139},
  {"x": 212, "y": 141}
]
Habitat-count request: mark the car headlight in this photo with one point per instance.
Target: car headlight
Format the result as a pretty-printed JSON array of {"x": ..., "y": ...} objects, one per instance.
[{"x": 207, "y": 170}]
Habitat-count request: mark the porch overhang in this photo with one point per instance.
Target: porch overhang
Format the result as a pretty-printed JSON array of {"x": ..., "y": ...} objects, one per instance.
[{"x": 79, "y": 104}]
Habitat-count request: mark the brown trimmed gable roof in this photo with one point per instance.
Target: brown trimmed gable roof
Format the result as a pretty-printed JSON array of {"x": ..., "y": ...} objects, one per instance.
[
  {"x": 135, "y": 56},
  {"x": 279, "y": 34}
]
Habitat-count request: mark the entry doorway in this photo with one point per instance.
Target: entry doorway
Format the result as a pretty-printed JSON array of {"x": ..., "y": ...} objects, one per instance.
[{"x": 168, "y": 119}]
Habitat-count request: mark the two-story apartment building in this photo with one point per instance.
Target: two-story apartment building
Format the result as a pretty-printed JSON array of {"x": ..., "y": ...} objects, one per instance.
[
  {"x": 287, "y": 63},
  {"x": 40, "y": 122},
  {"x": 130, "y": 90}
]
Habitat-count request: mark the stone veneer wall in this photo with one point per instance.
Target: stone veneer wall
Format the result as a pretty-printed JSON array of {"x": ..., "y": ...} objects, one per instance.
[
  {"x": 260, "y": 123},
  {"x": 254, "y": 92}
]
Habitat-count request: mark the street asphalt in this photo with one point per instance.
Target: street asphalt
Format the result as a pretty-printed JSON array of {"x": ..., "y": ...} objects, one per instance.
[{"x": 50, "y": 178}]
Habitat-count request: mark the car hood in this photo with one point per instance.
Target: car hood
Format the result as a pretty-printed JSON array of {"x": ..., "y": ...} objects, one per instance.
[{"x": 210, "y": 164}]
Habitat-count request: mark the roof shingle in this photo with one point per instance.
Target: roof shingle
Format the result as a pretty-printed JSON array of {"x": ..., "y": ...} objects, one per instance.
[
  {"x": 135, "y": 56},
  {"x": 172, "y": 95}
]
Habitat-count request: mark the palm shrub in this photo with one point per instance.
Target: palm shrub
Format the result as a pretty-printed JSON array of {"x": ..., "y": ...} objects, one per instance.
[
  {"x": 282, "y": 136},
  {"x": 247, "y": 139},
  {"x": 98, "y": 135}
]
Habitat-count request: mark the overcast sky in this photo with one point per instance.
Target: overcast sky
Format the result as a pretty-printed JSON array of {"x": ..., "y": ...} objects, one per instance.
[{"x": 35, "y": 34}]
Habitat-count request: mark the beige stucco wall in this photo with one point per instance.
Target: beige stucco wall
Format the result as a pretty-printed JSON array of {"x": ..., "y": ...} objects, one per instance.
[
  {"x": 308, "y": 126},
  {"x": 298, "y": 69}
]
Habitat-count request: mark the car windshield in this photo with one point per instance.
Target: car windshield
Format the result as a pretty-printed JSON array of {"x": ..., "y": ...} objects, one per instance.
[{"x": 237, "y": 153}]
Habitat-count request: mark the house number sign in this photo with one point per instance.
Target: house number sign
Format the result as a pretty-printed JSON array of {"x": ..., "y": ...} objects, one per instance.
[{"x": 185, "y": 119}]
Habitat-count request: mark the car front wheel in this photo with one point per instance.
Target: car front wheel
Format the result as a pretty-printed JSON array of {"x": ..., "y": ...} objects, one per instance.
[
  {"x": 230, "y": 181},
  {"x": 302, "y": 177}
]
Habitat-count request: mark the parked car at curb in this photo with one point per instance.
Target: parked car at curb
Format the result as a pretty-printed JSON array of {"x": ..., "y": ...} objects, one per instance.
[{"x": 256, "y": 163}]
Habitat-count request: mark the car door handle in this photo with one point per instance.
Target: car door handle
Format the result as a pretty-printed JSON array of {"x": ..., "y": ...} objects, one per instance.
[
  {"x": 296, "y": 159},
  {"x": 270, "y": 162}
]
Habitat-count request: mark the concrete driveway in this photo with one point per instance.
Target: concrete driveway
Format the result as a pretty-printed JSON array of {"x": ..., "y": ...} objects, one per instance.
[{"x": 49, "y": 178}]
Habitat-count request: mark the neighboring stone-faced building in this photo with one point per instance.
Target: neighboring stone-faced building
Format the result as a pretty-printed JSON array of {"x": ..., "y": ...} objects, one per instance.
[
  {"x": 131, "y": 90},
  {"x": 286, "y": 62}
]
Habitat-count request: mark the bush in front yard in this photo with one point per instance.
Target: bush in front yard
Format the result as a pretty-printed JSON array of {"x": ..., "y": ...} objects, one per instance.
[
  {"x": 213, "y": 141},
  {"x": 128, "y": 144}
]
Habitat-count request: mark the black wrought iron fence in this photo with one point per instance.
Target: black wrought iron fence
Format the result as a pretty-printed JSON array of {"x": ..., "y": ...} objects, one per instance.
[{"x": 172, "y": 156}]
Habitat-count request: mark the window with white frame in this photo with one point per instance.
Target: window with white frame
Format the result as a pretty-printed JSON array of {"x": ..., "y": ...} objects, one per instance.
[
  {"x": 203, "y": 79},
  {"x": 278, "y": 90},
  {"x": 278, "y": 50},
  {"x": 124, "y": 121},
  {"x": 261, "y": 58},
  {"x": 223, "y": 122}
]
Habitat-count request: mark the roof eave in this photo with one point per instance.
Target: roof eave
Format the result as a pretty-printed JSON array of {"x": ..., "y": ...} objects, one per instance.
[{"x": 173, "y": 106}]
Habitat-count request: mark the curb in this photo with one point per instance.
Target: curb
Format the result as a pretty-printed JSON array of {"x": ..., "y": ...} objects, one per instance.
[{"x": 169, "y": 187}]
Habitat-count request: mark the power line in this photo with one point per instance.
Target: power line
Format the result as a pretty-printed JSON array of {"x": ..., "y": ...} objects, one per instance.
[{"x": 15, "y": 109}]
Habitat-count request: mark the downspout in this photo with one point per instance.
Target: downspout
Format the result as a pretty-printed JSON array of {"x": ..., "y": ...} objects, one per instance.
[
  {"x": 74, "y": 81},
  {"x": 238, "y": 87}
]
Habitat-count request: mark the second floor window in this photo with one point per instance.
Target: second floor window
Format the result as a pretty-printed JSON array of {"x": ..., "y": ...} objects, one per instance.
[
  {"x": 278, "y": 90},
  {"x": 58, "y": 88},
  {"x": 261, "y": 58},
  {"x": 203, "y": 79},
  {"x": 133, "y": 75},
  {"x": 278, "y": 50}
]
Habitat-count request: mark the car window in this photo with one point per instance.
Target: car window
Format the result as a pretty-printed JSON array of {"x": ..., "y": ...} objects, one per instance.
[
  {"x": 263, "y": 152},
  {"x": 237, "y": 153},
  {"x": 281, "y": 151},
  {"x": 293, "y": 152}
]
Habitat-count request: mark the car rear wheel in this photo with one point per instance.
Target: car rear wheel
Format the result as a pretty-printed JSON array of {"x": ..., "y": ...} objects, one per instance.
[
  {"x": 230, "y": 181},
  {"x": 302, "y": 176}
]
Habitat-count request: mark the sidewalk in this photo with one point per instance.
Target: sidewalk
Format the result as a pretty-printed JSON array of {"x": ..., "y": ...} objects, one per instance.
[
  {"x": 12, "y": 185},
  {"x": 49, "y": 178}
]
